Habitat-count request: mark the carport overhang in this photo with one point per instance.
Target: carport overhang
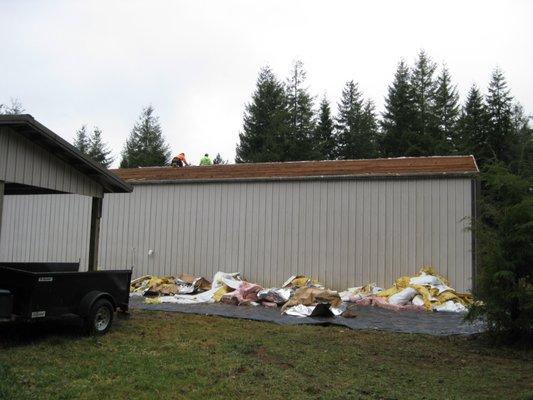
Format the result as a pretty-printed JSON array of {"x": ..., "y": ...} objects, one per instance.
[
  {"x": 30, "y": 129},
  {"x": 26, "y": 126}
]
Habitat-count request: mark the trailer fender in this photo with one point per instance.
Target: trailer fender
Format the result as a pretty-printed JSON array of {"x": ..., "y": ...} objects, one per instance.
[{"x": 90, "y": 298}]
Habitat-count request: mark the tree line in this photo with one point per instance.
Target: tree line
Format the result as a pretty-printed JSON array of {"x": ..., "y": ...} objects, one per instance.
[
  {"x": 145, "y": 147},
  {"x": 422, "y": 116}
]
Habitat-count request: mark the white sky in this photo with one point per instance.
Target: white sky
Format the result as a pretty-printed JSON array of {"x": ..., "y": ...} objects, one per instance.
[{"x": 99, "y": 62}]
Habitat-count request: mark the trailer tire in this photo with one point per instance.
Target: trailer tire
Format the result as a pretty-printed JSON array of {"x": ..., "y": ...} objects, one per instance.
[{"x": 100, "y": 317}]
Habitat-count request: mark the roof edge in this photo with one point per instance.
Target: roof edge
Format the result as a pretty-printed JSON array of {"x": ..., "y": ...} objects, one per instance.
[
  {"x": 421, "y": 175},
  {"x": 27, "y": 119}
]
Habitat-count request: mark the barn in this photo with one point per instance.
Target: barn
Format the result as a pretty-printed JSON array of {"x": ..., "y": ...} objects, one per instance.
[
  {"x": 34, "y": 161},
  {"x": 345, "y": 222}
]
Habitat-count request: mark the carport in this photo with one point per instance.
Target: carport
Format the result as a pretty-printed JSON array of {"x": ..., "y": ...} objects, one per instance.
[{"x": 34, "y": 160}]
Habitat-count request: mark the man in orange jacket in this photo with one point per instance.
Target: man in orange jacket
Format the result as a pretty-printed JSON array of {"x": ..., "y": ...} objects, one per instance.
[{"x": 179, "y": 161}]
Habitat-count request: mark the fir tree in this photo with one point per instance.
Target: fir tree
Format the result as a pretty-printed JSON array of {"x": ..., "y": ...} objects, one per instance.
[
  {"x": 12, "y": 109},
  {"x": 146, "y": 145},
  {"x": 266, "y": 121},
  {"x": 81, "y": 141},
  {"x": 422, "y": 94},
  {"x": 323, "y": 139},
  {"x": 501, "y": 137},
  {"x": 300, "y": 108},
  {"x": 356, "y": 125},
  {"x": 446, "y": 111},
  {"x": 98, "y": 150},
  {"x": 472, "y": 126},
  {"x": 219, "y": 160},
  {"x": 397, "y": 118},
  {"x": 522, "y": 161},
  {"x": 504, "y": 231}
]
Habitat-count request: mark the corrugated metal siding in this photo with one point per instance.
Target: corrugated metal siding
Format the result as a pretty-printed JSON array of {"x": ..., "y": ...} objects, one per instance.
[
  {"x": 45, "y": 228},
  {"x": 344, "y": 233},
  {"x": 24, "y": 162}
]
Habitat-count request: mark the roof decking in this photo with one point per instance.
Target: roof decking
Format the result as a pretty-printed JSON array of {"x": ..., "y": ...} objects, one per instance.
[{"x": 382, "y": 167}]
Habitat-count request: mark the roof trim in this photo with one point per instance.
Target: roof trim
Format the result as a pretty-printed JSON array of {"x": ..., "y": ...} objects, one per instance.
[
  {"x": 442, "y": 175},
  {"x": 27, "y": 126}
]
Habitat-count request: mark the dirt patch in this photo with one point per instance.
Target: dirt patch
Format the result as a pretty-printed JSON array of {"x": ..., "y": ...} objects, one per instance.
[{"x": 262, "y": 355}]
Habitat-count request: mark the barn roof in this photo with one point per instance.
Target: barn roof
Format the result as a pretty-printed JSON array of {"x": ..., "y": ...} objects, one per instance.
[
  {"x": 26, "y": 126},
  {"x": 341, "y": 169}
]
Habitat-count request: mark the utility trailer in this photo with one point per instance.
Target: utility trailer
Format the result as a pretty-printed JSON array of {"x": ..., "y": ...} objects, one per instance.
[{"x": 31, "y": 291}]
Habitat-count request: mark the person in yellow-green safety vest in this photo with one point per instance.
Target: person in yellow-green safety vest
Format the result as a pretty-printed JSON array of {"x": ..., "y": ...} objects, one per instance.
[{"x": 205, "y": 160}]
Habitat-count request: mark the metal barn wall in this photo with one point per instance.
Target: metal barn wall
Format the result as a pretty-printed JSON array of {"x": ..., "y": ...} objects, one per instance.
[
  {"x": 24, "y": 162},
  {"x": 50, "y": 227},
  {"x": 344, "y": 233}
]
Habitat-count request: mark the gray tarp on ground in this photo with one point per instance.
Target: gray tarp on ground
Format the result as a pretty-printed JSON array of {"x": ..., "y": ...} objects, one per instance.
[{"x": 373, "y": 318}]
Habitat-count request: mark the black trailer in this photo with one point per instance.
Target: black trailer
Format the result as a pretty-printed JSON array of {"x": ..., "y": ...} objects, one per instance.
[{"x": 30, "y": 291}]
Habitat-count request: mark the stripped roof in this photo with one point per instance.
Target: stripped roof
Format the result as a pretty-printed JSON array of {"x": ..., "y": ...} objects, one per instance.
[{"x": 381, "y": 167}]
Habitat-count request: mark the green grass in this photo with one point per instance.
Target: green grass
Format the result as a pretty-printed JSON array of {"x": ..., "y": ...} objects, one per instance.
[{"x": 155, "y": 355}]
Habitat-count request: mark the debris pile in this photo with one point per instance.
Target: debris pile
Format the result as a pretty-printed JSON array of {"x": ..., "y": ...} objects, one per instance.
[
  {"x": 427, "y": 291},
  {"x": 149, "y": 285},
  {"x": 303, "y": 296},
  {"x": 313, "y": 301}
]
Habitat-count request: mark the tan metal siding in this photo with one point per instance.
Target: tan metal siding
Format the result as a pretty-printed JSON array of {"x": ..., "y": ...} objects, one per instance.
[
  {"x": 344, "y": 233},
  {"x": 24, "y": 162},
  {"x": 45, "y": 228}
]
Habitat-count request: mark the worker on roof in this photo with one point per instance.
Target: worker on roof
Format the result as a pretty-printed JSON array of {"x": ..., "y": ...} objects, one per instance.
[
  {"x": 179, "y": 161},
  {"x": 206, "y": 160}
]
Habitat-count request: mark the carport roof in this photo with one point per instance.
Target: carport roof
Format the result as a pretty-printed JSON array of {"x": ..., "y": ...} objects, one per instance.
[
  {"x": 368, "y": 168},
  {"x": 28, "y": 127}
]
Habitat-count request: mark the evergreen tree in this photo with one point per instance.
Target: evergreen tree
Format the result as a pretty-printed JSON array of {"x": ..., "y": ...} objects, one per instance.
[
  {"x": 504, "y": 231},
  {"x": 356, "y": 125},
  {"x": 301, "y": 124},
  {"x": 501, "y": 137},
  {"x": 266, "y": 121},
  {"x": 472, "y": 126},
  {"x": 12, "y": 109},
  {"x": 323, "y": 138},
  {"x": 422, "y": 93},
  {"x": 446, "y": 113},
  {"x": 82, "y": 141},
  {"x": 397, "y": 118},
  {"x": 219, "y": 160},
  {"x": 146, "y": 146},
  {"x": 98, "y": 150},
  {"x": 522, "y": 162}
]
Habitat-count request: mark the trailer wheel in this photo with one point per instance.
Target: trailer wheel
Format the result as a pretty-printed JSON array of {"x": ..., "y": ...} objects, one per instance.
[{"x": 100, "y": 318}]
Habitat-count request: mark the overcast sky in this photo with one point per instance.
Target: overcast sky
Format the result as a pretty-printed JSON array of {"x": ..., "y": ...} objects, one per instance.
[{"x": 100, "y": 62}]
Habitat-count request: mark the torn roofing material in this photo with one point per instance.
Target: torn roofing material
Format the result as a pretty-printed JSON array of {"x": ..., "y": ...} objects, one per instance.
[{"x": 341, "y": 169}]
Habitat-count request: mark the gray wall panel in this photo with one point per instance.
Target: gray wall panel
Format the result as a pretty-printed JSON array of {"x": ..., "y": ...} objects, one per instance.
[
  {"x": 24, "y": 162},
  {"x": 344, "y": 233}
]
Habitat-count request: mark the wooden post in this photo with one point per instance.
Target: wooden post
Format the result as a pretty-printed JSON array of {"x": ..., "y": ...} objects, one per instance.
[
  {"x": 2, "y": 187},
  {"x": 94, "y": 238}
]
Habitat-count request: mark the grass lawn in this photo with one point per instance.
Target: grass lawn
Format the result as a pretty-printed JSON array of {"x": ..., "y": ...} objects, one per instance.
[{"x": 155, "y": 355}]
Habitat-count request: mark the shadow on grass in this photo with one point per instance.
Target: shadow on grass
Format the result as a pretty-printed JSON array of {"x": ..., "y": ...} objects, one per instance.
[{"x": 13, "y": 334}]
